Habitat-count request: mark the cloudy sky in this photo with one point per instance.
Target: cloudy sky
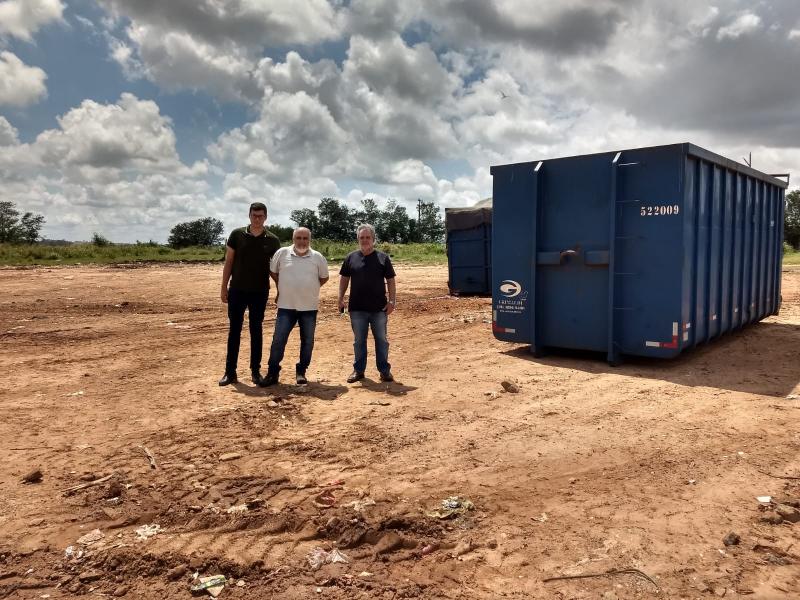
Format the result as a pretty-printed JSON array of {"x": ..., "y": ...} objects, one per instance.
[{"x": 126, "y": 117}]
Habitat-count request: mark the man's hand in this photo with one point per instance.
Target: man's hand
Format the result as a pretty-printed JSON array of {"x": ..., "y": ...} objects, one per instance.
[
  {"x": 389, "y": 308},
  {"x": 223, "y": 295},
  {"x": 342, "y": 304}
]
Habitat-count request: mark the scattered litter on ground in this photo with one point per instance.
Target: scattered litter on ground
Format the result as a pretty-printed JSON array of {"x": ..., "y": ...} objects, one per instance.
[
  {"x": 83, "y": 486},
  {"x": 429, "y": 549},
  {"x": 636, "y": 572},
  {"x": 365, "y": 574},
  {"x": 33, "y": 477},
  {"x": 78, "y": 393},
  {"x": 90, "y": 538},
  {"x": 229, "y": 456},
  {"x": 319, "y": 556},
  {"x": 379, "y": 403},
  {"x": 764, "y": 499},
  {"x": 509, "y": 386},
  {"x": 73, "y": 553},
  {"x": 144, "y": 532},
  {"x": 149, "y": 455},
  {"x": 452, "y": 507},
  {"x": 792, "y": 397},
  {"x": 213, "y": 585},
  {"x": 237, "y": 510},
  {"x": 324, "y": 500},
  {"x": 692, "y": 482},
  {"x": 732, "y": 539},
  {"x": 541, "y": 518},
  {"x": 360, "y": 505}
]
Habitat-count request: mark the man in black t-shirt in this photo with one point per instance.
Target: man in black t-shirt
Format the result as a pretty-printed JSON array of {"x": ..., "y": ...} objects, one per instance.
[
  {"x": 367, "y": 269},
  {"x": 247, "y": 268}
]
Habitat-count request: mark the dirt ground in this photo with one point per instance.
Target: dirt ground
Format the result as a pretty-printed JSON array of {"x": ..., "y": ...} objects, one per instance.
[{"x": 586, "y": 469}]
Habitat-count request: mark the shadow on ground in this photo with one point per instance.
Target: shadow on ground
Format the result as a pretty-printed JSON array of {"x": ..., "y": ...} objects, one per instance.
[{"x": 762, "y": 359}]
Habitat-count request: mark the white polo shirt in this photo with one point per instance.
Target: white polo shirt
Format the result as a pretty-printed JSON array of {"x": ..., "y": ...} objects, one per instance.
[{"x": 298, "y": 281}]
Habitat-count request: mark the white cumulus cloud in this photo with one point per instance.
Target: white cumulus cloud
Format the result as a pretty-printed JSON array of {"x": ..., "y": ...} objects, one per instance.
[
  {"x": 8, "y": 133},
  {"x": 20, "y": 84},
  {"x": 23, "y": 18},
  {"x": 129, "y": 134}
]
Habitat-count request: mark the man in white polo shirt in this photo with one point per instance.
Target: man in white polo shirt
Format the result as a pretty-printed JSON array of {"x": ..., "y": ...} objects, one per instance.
[{"x": 299, "y": 272}]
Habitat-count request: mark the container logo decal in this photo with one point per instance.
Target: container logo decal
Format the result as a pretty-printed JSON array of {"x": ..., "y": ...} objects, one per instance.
[
  {"x": 510, "y": 288},
  {"x": 513, "y": 299}
]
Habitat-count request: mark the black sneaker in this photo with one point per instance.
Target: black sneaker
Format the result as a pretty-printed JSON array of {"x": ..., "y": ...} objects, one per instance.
[
  {"x": 300, "y": 378},
  {"x": 270, "y": 379},
  {"x": 256, "y": 377},
  {"x": 355, "y": 376},
  {"x": 228, "y": 379},
  {"x": 387, "y": 376}
]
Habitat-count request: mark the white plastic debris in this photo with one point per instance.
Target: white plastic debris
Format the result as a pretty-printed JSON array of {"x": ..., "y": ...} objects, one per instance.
[
  {"x": 318, "y": 557},
  {"x": 147, "y": 531},
  {"x": 542, "y": 518},
  {"x": 360, "y": 505},
  {"x": 73, "y": 553},
  {"x": 764, "y": 499}
]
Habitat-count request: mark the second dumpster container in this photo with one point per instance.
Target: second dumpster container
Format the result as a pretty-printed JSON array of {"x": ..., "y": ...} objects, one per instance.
[
  {"x": 469, "y": 249},
  {"x": 645, "y": 252}
]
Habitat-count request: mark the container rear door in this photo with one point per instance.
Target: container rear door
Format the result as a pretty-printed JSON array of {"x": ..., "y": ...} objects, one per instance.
[
  {"x": 573, "y": 253},
  {"x": 469, "y": 259},
  {"x": 513, "y": 246}
]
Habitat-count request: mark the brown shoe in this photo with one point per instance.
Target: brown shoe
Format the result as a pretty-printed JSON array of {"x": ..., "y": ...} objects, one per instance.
[
  {"x": 355, "y": 376},
  {"x": 387, "y": 376}
]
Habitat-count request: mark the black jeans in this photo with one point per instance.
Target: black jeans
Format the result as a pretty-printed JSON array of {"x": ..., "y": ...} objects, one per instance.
[{"x": 238, "y": 302}]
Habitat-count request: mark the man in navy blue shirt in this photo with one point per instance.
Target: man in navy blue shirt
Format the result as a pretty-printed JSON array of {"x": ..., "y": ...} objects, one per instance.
[{"x": 371, "y": 273}]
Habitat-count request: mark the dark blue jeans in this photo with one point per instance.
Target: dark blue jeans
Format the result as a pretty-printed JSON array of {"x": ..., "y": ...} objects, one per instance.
[
  {"x": 284, "y": 323},
  {"x": 238, "y": 302},
  {"x": 361, "y": 322}
]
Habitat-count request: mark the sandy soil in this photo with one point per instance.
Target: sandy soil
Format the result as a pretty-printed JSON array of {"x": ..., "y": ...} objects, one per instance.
[{"x": 586, "y": 469}]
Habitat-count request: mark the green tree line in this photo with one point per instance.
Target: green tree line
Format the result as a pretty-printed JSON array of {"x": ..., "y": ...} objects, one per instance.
[
  {"x": 333, "y": 220},
  {"x": 18, "y": 230}
]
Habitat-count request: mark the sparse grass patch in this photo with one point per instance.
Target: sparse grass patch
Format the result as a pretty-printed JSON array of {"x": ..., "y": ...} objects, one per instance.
[
  {"x": 72, "y": 254},
  {"x": 90, "y": 253}
]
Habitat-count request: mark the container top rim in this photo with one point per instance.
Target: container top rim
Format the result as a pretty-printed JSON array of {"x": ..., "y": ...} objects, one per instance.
[{"x": 687, "y": 147}]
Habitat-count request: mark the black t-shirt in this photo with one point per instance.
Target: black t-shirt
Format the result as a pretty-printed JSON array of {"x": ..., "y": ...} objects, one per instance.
[
  {"x": 367, "y": 275},
  {"x": 251, "y": 259}
]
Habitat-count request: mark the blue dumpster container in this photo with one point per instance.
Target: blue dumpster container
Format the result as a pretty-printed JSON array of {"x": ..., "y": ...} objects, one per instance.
[
  {"x": 646, "y": 252},
  {"x": 469, "y": 249}
]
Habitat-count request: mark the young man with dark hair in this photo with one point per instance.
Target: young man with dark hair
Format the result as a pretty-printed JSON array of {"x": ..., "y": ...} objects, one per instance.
[{"x": 247, "y": 258}]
